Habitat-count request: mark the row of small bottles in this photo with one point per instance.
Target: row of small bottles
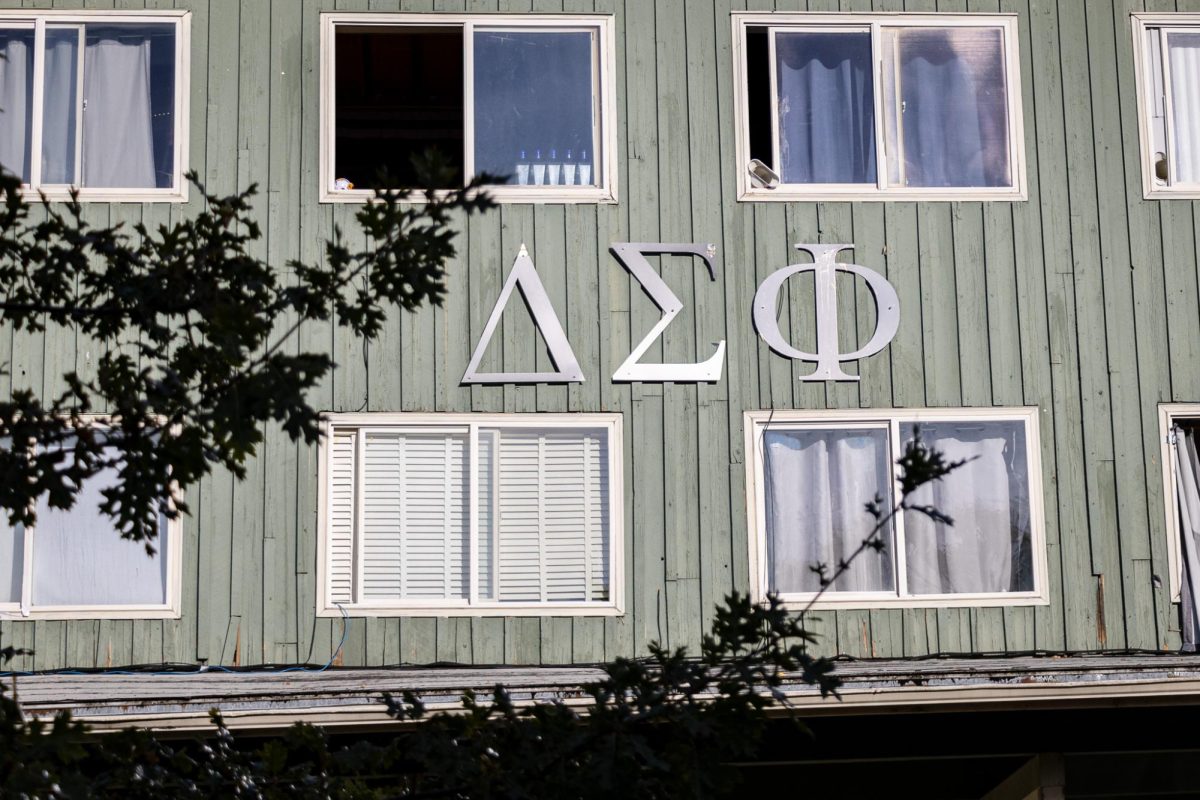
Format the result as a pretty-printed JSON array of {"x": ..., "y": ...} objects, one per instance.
[{"x": 554, "y": 171}]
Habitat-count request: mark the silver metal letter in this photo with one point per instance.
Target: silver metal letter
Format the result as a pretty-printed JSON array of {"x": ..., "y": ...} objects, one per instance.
[
  {"x": 525, "y": 277},
  {"x": 633, "y": 257},
  {"x": 825, "y": 269}
]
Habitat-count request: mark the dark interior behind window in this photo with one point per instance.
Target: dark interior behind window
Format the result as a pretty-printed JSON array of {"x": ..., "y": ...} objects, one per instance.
[
  {"x": 758, "y": 96},
  {"x": 399, "y": 92}
]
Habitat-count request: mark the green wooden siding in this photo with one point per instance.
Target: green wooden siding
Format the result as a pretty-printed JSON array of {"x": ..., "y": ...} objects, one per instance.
[{"x": 1064, "y": 302}]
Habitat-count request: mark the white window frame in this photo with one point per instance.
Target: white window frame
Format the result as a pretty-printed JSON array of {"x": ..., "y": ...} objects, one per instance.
[
  {"x": 1168, "y": 415},
  {"x": 171, "y": 609},
  {"x": 881, "y": 191},
  {"x": 1146, "y": 67},
  {"x": 470, "y": 423},
  {"x": 603, "y": 98},
  {"x": 757, "y": 422},
  {"x": 38, "y": 19}
]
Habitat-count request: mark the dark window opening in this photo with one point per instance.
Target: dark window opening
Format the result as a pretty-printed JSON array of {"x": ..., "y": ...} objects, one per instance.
[
  {"x": 758, "y": 96},
  {"x": 399, "y": 93}
]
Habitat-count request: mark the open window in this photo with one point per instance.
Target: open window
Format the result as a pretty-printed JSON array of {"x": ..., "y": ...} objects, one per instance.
[
  {"x": 74, "y": 564},
  {"x": 472, "y": 514},
  {"x": 526, "y": 100},
  {"x": 95, "y": 100},
  {"x": 1180, "y": 428},
  {"x": 811, "y": 474},
  {"x": 1167, "y": 54},
  {"x": 873, "y": 107}
]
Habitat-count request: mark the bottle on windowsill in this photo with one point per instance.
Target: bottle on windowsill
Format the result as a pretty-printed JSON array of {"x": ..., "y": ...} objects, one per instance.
[
  {"x": 539, "y": 169},
  {"x": 569, "y": 170},
  {"x": 523, "y": 169}
]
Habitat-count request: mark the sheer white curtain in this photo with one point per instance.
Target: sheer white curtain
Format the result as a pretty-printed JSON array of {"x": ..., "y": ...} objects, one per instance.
[
  {"x": 16, "y": 99},
  {"x": 79, "y": 559},
  {"x": 817, "y": 483},
  {"x": 12, "y": 548},
  {"x": 59, "y": 106},
  {"x": 1187, "y": 478},
  {"x": 118, "y": 134},
  {"x": 826, "y": 107},
  {"x": 1184, "y": 57},
  {"x": 987, "y": 543}
]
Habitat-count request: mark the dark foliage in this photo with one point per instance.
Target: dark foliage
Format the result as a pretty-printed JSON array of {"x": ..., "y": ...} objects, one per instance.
[{"x": 195, "y": 333}]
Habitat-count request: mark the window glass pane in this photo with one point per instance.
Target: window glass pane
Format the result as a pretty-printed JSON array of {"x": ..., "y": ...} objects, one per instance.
[
  {"x": 948, "y": 115},
  {"x": 989, "y": 546},
  {"x": 16, "y": 100},
  {"x": 1184, "y": 56},
  {"x": 12, "y": 560},
  {"x": 128, "y": 106},
  {"x": 826, "y": 107},
  {"x": 534, "y": 107},
  {"x": 398, "y": 94},
  {"x": 551, "y": 524},
  {"x": 816, "y": 484},
  {"x": 59, "y": 105},
  {"x": 414, "y": 516},
  {"x": 79, "y": 559}
]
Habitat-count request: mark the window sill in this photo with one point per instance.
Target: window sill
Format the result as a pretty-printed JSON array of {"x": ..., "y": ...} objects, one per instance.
[
  {"x": 501, "y": 194},
  {"x": 830, "y": 195},
  {"x": 62, "y": 195},
  {"x": 13, "y": 613},
  {"x": 884, "y": 601},
  {"x": 1164, "y": 193},
  {"x": 510, "y": 610}
]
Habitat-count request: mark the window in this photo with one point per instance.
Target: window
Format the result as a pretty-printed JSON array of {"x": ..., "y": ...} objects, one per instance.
[
  {"x": 95, "y": 100},
  {"x": 1180, "y": 428},
  {"x": 476, "y": 514},
  {"x": 810, "y": 475},
  {"x": 1167, "y": 54},
  {"x": 527, "y": 99},
  {"x": 874, "y": 107},
  {"x": 75, "y": 565}
]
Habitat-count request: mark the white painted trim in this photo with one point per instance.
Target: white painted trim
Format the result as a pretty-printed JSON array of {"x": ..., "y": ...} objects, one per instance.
[
  {"x": 605, "y": 154},
  {"x": 178, "y": 193},
  {"x": 1142, "y": 23},
  {"x": 471, "y": 423},
  {"x": 755, "y": 423},
  {"x": 1168, "y": 414},
  {"x": 746, "y": 191}
]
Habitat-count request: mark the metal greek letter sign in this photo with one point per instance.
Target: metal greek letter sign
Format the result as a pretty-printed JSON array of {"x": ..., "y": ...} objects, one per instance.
[
  {"x": 828, "y": 356},
  {"x": 633, "y": 257},
  {"x": 525, "y": 278}
]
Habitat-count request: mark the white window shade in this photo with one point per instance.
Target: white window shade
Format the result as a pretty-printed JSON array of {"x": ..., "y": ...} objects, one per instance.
[
  {"x": 552, "y": 532},
  {"x": 74, "y": 563},
  {"x": 497, "y": 514}
]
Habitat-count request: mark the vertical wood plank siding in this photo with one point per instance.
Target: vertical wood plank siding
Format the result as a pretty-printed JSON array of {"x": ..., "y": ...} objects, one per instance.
[{"x": 1082, "y": 301}]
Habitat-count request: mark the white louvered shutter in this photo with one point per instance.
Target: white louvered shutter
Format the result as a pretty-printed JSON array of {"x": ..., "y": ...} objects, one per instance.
[
  {"x": 552, "y": 526},
  {"x": 485, "y": 515},
  {"x": 341, "y": 503},
  {"x": 414, "y": 516}
]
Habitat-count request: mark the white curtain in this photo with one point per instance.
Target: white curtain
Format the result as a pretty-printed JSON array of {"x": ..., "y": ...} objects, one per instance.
[
  {"x": 1184, "y": 57},
  {"x": 1187, "y": 472},
  {"x": 16, "y": 99},
  {"x": 79, "y": 559},
  {"x": 12, "y": 560},
  {"x": 118, "y": 135},
  {"x": 987, "y": 544},
  {"x": 817, "y": 483},
  {"x": 59, "y": 104},
  {"x": 952, "y": 93},
  {"x": 826, "y": 107}
]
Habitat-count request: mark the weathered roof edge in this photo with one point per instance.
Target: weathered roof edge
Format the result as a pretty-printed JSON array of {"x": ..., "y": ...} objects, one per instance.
[{"x": 351, "y": 698}]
